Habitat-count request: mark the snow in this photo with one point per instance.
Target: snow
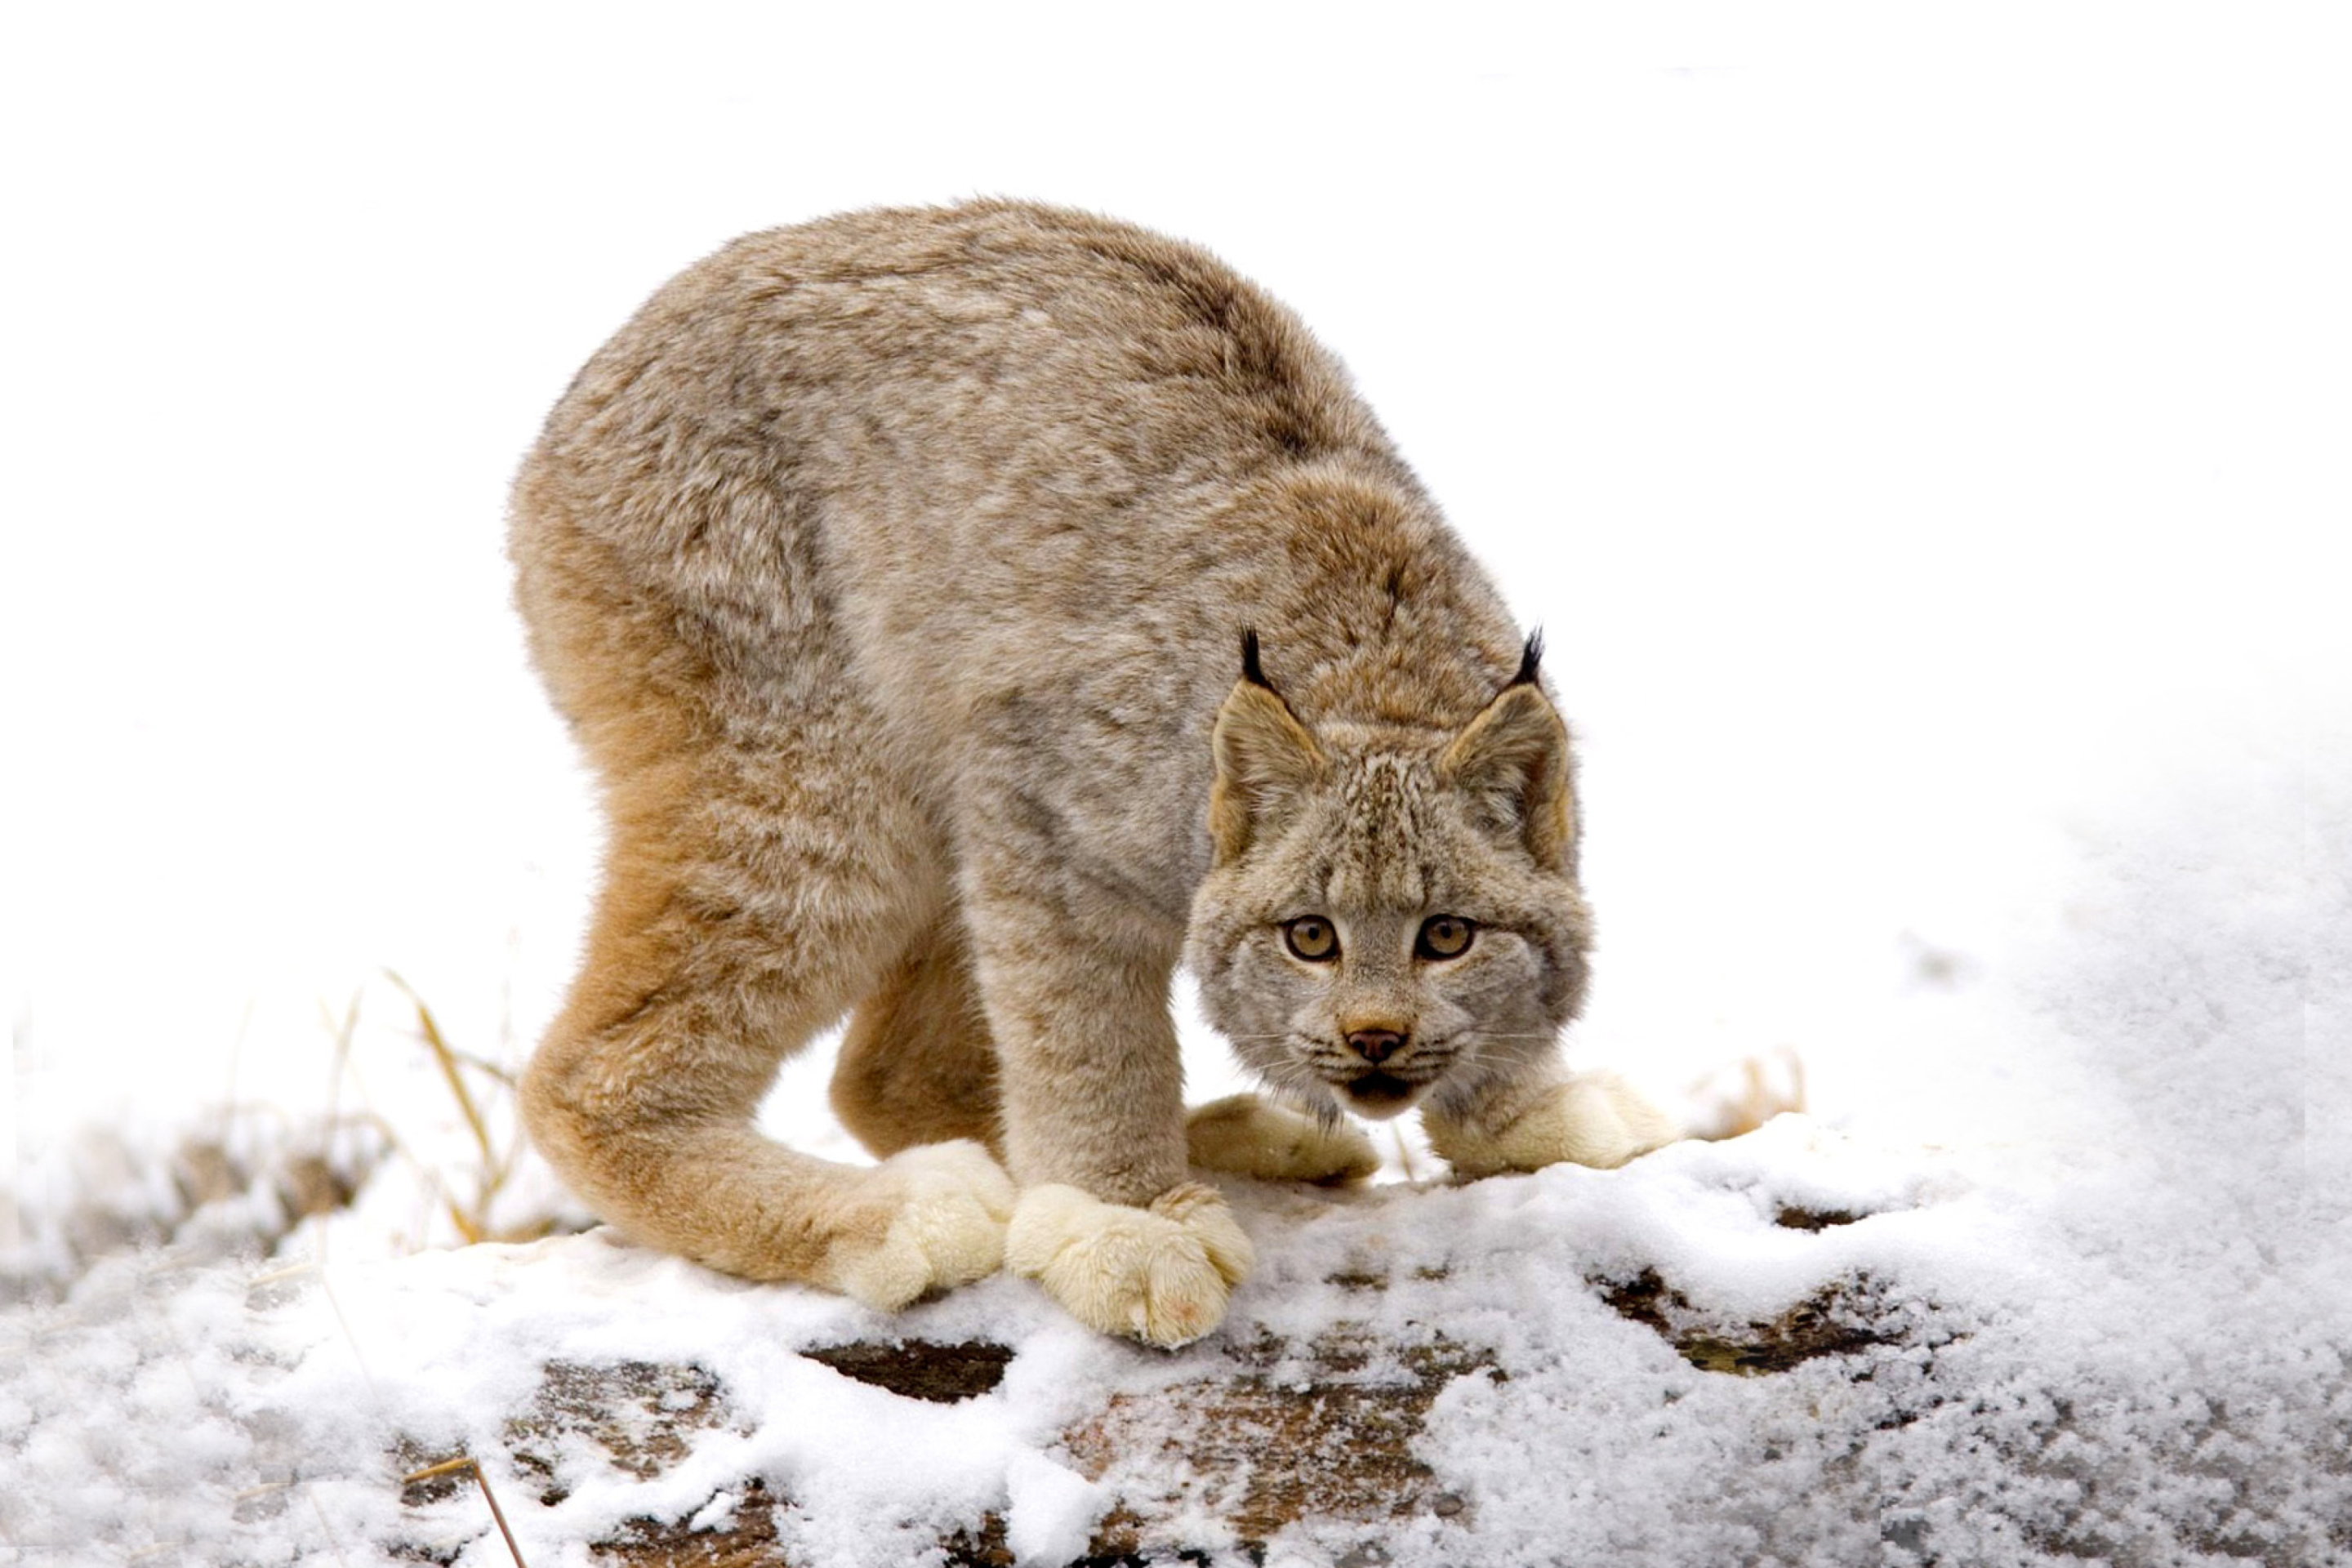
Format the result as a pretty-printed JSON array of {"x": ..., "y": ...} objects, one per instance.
[
  {"x": 2131, "y": 1344},
  {"x": 1922, "y": 465}
]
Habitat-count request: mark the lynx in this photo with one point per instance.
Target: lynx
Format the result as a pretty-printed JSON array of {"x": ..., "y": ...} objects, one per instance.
[{"x": 970, "y": 613}]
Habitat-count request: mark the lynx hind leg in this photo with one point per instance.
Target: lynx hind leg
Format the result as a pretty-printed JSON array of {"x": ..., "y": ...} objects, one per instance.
[
  {"x": 917, "y": 1065},
  {"x": 731, "y": 930},
  {"x": 948, "y": 1206},
  {"x": 1587, "y": 1118},
  {"x": 635, "y": 1118},
  {"x": 1248, "y": 1136},
  {"x": 641, "y": 1098}
]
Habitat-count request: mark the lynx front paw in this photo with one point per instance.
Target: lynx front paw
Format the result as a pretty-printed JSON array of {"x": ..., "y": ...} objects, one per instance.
[
  {"x": 1160, "y": 1274},
  {"x": 952, "y": 1203},
  {"x": 1251, "y": 1137},
  {"x": 1592, "y": 1119}
]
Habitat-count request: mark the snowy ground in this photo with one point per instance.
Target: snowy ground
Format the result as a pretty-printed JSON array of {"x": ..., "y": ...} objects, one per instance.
[
  {"x": 2114, "y": 1328},
  {"x": 1922, "y": 454}
]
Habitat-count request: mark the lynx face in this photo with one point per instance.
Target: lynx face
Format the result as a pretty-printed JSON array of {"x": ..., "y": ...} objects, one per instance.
[{"x": 1387, "y": 923}]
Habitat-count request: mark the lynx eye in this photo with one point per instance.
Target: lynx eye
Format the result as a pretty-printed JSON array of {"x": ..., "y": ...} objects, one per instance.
[
  {"x": 1443, "y": 936},
  {"x": 1311, "y": 938}
]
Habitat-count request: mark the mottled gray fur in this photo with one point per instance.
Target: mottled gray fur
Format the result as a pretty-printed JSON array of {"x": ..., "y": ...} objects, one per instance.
[{"x": 892, "y": 571}]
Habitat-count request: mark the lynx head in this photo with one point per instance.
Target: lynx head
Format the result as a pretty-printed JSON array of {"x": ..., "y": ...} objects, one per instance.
[{"x": 1390, "y": 916}]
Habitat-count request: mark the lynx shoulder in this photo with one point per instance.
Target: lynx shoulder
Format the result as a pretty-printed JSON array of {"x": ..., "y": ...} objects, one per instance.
[{"x": 970, "y": 613}]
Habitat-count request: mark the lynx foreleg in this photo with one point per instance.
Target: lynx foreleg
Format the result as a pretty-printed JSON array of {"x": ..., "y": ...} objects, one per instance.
[
  {"x": 1108, "y": 1222},
  {"x": 1254, "y": 1137},
  {"x": 1583, "y": 1118}
]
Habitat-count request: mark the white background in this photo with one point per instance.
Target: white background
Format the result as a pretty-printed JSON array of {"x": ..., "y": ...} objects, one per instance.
[{"x": 1912, "y": 438}]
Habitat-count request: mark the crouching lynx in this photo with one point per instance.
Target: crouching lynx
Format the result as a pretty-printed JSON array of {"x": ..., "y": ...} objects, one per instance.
[{"x": 971, "y": 613}]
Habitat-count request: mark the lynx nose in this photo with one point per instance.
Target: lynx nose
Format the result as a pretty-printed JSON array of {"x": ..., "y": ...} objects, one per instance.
[{"x": 1375, "y": 1046}]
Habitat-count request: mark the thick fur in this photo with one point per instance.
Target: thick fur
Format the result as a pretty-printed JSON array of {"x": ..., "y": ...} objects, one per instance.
[{"x": 893, "y": 572}]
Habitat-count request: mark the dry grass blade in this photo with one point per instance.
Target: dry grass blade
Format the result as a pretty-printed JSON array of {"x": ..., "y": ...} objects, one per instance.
[
  {"x": 472, "y": 1223},
  {"x": 443, "y": 1054},
  {"x": 467, "y": 1231},
  {"x": 464, "y": 1464},
  {"x": 435, "y": 1472}
]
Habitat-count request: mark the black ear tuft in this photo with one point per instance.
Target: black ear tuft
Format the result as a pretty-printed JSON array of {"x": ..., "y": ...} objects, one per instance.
[
  {"x": 1251, "y": 671},
  {"x": 1529, "y": 659}
]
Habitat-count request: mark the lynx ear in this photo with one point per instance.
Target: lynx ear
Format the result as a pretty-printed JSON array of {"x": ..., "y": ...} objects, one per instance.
[
  {"x": 1512, "y": 759},
  {"x": 1265, "y": 758}
]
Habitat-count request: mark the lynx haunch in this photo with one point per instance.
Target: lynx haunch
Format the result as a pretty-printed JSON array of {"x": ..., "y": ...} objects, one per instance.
[{"x": 971, "y": 614}]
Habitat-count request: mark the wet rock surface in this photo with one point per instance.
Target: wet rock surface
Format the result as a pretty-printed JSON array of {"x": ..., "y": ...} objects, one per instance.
[
  {"x": 1273, "y": 1437},
  {"x": 1845, "y": 1318},
  {"x": 1281, "y": 1433},
  {"x": 920, "y": 1369}
]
